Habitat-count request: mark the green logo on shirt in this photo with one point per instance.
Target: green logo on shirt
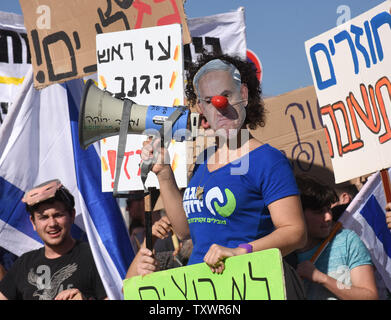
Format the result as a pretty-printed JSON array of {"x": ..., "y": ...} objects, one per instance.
[{"x": 216, "y": 194}]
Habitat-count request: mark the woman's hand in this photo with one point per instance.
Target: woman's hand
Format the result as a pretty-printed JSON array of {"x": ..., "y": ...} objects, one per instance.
[
  {"x": 217, "y": 254},
  {"x": 153, "y": 148}
]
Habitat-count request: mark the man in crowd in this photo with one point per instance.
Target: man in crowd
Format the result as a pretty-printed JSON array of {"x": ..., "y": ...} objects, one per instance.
[
  {"x": 344, "y": 269},
  {"x": 63, "y": 268}
]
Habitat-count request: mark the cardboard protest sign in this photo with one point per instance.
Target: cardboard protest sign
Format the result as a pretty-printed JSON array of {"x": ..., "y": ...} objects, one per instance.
[
  {"x": 254, "y": 276},
  {"x": 62, "y": 33},
  {"x": 350, "y": 66},
  {"x": 15, "y": 59},
  {"x": 294, "y": 126},
  {"x": 146, "y": 66}
]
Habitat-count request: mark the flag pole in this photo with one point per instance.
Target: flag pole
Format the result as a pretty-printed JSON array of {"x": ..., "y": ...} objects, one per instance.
[
  {"x": 336, "y": 228},
  {"x": 386, "y": 184}
]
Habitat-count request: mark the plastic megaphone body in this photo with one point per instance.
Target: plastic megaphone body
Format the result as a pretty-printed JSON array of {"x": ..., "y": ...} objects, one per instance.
[{"x": 101, "y": 115}]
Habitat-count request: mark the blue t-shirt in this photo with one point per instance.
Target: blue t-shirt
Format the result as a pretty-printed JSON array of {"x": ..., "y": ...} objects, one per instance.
[
  {"x": 345, "y": 252},
  {"x": 235, "y": 199}
]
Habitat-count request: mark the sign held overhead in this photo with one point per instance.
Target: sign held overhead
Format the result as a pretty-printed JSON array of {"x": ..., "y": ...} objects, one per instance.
[
  {"x": 62, "y": 34},
  {"x": 350, "y": 66}
]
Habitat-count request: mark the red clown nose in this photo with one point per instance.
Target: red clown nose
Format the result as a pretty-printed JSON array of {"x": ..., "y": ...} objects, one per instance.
[{"x": 220, "y": 102}]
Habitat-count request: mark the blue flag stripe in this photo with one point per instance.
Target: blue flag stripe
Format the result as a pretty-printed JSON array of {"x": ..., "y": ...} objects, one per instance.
[
  {"x": 375, "y": 217},
  {"x": 13, "y": 211},
  {"x": 105, "y": 213}
]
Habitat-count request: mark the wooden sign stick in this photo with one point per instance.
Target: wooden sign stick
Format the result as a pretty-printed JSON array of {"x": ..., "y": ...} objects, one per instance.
[{"x": 386, "y": 184}]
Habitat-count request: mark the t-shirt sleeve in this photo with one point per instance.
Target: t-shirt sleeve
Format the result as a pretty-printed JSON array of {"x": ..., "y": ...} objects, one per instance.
[
  {"x": 8, "y": 285},
  {"x": 279, "y": 182},
  {"x": 358, "y": 252}
]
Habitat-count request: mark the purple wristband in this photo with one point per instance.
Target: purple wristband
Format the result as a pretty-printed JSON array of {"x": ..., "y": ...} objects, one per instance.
[{"x": 246, "y": 246}]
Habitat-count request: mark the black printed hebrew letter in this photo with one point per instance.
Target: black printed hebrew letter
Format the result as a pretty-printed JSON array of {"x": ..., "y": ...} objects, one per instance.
[
  {"x": 50, "y": 40},
  {"x": 215, "y": 43},
  {"x": 166, "y": 51},
  {"x": 259, "y": 279},
  {"x": 16, "y": 46},
  {"x": 184, "y": 278},
  {"x": 211, "y": 283},
  {"x": 107, "y": 19},
  {"x": 148, "y": 288},
  {"x": 145, "y": 86}
]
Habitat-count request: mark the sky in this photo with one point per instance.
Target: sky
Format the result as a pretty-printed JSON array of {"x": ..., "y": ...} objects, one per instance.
[{"x": 275, "y": 31}]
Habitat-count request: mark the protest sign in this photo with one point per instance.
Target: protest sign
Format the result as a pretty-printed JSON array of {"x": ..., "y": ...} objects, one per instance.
[
  {"x": 15, "y": 58},
  {"x": 62, "y": 33},
  {"x": 294, "y": 126},
  {"x": 254, "y": 276},
  {"x": 350, "y": 66},
  {"x": 146, "y": 66}
]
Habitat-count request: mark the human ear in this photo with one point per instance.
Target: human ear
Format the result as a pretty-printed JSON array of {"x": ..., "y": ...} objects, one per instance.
[
  {"x": 244, "y": 91},
  {"x": 32, "y": 221},
  {"x": 73, "y": 215}
]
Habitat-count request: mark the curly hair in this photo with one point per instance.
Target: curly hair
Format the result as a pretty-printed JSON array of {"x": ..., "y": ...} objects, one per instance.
[{"x": 255, "y": 111}]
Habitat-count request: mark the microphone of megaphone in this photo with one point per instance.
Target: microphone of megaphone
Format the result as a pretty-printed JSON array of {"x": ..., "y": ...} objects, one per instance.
[{"x": 100, "y": 116}]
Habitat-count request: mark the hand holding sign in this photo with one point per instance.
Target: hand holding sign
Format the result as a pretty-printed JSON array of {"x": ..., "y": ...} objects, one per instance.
[{"x": 254, "y": 276}]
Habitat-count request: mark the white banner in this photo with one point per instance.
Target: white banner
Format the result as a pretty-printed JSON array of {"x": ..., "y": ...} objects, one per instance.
[
  {"x": 15, "y": 58},
  {"x": 350, "y": 66},
  {"x": 224, "y": 33}
]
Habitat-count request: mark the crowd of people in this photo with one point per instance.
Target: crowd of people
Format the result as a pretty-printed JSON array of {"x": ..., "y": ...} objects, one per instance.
[{"x": 266, "y": 206}]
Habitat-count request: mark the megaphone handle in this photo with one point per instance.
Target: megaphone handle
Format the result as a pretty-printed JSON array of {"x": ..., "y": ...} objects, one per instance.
[
  {"x": 123, "y": 133},
  {"x": 148, "y": 229},
  {"x": 146, "y": 166}
]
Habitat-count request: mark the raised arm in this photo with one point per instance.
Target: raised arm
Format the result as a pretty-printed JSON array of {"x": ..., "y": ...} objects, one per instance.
[{"x": 169, "y": 191}]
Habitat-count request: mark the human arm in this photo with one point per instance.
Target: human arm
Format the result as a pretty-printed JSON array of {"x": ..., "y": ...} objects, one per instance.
[
  {"x": 143, "y": 263},
  {"x": 169, "y": 191},
  {"x": 289, "y": 234},
  {"x": 2, "y": 271},
  {"x": 362, "y": 277}
]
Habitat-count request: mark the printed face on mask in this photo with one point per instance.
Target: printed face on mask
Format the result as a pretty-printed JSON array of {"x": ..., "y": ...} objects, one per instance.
[{"x": 226, "y": 122}]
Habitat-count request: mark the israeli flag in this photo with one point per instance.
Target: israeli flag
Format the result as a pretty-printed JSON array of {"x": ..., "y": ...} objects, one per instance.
[
  {"x": 39, "y": 142},
  {"x": 366, "y": 216}
]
